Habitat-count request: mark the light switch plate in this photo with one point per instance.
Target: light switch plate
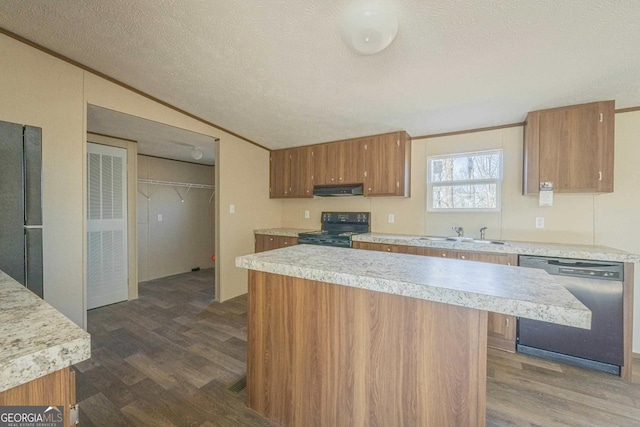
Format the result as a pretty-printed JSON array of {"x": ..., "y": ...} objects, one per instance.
[
  {"x": 391, "y": 218},
  {"x": 159, "y": 217},
  {"x": 232, "y": 208},
  {"x": 306, "y": 214},
  {"x": 539, "y": 222}
]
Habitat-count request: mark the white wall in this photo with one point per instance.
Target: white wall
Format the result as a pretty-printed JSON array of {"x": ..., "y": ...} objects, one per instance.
[
  {"x": 245, "y": 168},
  {"x": 38, "y": 90},
  {"x": 184, "y": 238},
  {"x": 616, "y": 215},
  {"x": 41, "y": 90}
]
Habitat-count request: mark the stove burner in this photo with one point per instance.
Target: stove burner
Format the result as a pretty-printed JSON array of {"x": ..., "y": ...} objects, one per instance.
[{"x": 337, "y": 229}]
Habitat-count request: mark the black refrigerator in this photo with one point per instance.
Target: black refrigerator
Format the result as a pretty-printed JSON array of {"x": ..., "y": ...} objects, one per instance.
[{"x": 21, "y": 204}]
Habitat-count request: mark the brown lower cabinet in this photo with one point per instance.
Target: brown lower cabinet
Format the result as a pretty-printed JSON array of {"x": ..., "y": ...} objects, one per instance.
[
  {"x": 501, "y": 330},
  {"x": 266, "y": 242},
  {"x": 55, "y": 389}
]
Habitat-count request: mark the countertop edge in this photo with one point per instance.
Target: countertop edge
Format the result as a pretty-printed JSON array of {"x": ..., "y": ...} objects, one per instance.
[
  {"x": 29, "y": 367},
  {"x": 283, "y": 232},
  {"x": 598, "y": 253},
  {"x": 560, "y": 315}
]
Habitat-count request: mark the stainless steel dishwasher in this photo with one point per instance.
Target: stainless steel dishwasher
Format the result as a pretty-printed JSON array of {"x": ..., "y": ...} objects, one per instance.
[{"x": 598, "y": 285}]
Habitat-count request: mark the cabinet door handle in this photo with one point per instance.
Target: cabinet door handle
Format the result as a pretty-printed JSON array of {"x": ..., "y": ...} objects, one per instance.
[
  {"x": 444, "y": 255},
  {"x": 507, "y": 321},
  {"x": 600, "y": 176},
  {"x": 462, "y": 257},
  {"x": 601, "y": 117}
]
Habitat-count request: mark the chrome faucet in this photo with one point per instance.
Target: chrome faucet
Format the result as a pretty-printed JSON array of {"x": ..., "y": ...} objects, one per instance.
[
  {"x": 459, "y": 231},
  {"x": 482, "y": 230}
]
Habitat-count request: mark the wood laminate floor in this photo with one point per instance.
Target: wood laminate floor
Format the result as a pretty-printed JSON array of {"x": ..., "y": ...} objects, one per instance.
[{"x": 167, "y": 358}]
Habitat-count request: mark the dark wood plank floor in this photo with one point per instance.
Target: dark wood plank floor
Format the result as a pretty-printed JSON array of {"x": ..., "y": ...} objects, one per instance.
[{"x": 167, "y": 358}]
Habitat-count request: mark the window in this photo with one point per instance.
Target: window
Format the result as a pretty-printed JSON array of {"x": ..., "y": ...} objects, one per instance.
[{"x": 465, "y": 181}]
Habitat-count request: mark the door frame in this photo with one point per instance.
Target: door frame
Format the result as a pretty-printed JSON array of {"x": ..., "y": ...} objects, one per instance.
[{"x": 132, "y": 208}]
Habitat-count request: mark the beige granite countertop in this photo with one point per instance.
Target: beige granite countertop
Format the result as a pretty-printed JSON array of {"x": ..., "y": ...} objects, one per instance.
[
  {"x": 600, "y": 253},
  {"x": 518, "y": 291},
  {"x": 592, "y": 252},
  {"x": 35, "y": 338},
  {"x": 285, "y": 232}
]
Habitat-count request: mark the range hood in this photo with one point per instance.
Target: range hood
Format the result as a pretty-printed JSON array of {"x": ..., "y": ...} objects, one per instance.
[{"x": 338, "y": 190}]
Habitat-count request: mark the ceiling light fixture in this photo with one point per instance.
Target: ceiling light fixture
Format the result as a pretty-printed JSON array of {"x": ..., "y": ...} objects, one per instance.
[
  {"x": 196, "y": 153},
  {"x": 368, "y": 27}
]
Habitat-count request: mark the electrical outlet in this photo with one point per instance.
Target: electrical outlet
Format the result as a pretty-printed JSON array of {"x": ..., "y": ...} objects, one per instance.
[
  {"x": 159, "y": 217},
  {"x": 306, "y": 214},
  {"x": 539, "y": 222},
  {"x": 391, "y": 218},
  {"x": 232, "y": 208}
]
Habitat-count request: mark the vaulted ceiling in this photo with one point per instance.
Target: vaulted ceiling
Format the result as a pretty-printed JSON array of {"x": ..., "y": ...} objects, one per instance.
[{"x": 277, "y": 72}]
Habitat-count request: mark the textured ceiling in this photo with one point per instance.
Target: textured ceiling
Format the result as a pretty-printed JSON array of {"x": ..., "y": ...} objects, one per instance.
[
  {"x": 277, "y": 72},
  {"x": 153, "y": 138}
]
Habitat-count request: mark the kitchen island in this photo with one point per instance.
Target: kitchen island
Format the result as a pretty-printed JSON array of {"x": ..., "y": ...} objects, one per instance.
[
  {"x": 344, "y": 337},
  {"x": 37, "y": 346}
]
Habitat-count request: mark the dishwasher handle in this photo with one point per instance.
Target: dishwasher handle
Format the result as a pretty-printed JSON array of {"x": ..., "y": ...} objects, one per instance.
[
  {"x": 581, "y": 264},
  {"x": 606, "y": 270}
]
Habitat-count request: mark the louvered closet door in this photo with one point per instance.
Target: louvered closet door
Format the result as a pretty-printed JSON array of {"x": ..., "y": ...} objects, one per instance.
[{"x": 107, "y": 273}]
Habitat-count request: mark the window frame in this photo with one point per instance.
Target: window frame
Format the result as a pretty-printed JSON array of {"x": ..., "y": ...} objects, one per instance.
[{"x": 497, "y": 181}]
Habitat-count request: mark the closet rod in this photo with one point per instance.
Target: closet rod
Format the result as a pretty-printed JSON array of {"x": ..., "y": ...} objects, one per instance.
[{"x": 175, "y": 184}]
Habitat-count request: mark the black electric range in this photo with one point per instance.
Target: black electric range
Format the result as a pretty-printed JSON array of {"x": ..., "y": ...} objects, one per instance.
[{"x": 337, "y": 229}]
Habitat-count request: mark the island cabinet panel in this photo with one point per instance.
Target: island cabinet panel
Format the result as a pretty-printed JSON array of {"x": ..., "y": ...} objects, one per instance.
[
  {"x": 571, "y": 147},
  {"x": 387, "y": 165},
  {"x": 55, "y": 389},
  {"x": 501, "y": 327},
  {"x": 265, "y": 242},
  {"x": 320, "y": 354}
]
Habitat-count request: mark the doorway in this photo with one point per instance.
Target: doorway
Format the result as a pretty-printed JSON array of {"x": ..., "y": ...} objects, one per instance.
[
  {"x": 107, "y": 270},
  {"x": 170, "y": 194}
]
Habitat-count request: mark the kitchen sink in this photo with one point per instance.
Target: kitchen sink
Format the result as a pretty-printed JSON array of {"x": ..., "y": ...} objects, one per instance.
[
  {"x": 462, "y": 239},
  {"x": 487, "y": 242}
]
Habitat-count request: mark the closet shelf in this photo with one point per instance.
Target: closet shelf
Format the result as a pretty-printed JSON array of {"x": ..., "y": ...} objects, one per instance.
[{"x": 175, "y": 184}]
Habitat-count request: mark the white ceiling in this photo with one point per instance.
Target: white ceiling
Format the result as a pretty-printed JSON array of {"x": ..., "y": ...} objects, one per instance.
[
  {"x": 153, "y": 138},
  {"x": 278, "y": 73}
]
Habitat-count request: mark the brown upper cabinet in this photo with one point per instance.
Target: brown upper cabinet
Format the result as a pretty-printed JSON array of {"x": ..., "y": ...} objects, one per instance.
[
  {"x": 388, "y": 165},
  {"x": 291, "y": 173},
  {"x": 571, "y": 147},
  {"x": 381, "y": 163},
  {"x": 340, "y": 162}
]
